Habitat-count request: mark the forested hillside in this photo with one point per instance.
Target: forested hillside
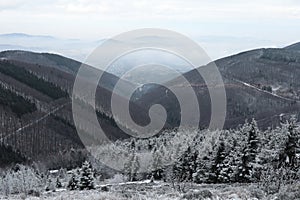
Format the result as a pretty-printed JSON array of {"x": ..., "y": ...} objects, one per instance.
[
  {"x": 36, "y": 112},
  {"x": 36, "y": 104},
  {"x": 261, "y": 84}
]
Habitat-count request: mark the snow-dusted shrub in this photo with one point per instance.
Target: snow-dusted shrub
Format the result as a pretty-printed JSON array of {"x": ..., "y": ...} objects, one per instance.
[
  {"x": 118, "y": 178},
  {"x": 273, "y": 179},
  {"x": 22, "y": 180}
]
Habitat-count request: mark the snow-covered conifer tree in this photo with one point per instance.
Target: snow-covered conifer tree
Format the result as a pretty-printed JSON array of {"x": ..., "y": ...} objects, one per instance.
[
  {"x": 86, "y": 177},
  {"x": 132, "y": 166},
  {"x": 247, "y": 164},
  {"x": 186, "y": 166},
  {"x": 58, "y": 183},
  {"x": 73, "y": 183},
  {"x": 288, "y": 155},
  {"x": 157, "y": 164}
]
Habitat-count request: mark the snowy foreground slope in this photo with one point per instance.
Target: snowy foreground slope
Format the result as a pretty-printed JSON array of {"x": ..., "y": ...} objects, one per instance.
[
  {"x": 164, "y": 191},
  {"x": 245, "y": 163}
]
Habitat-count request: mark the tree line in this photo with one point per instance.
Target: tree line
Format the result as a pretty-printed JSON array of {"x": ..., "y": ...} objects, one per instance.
[{"x": 242, "y": 155}]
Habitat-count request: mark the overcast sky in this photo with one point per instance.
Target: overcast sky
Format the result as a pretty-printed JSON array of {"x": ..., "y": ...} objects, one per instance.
[{"x": 272, "y": 22}]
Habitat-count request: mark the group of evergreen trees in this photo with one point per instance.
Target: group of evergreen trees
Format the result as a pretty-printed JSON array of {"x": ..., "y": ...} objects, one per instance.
[
  {"x": 83, "y": 179},
  {"x": 228, "y": 162},
  {"x": 240, "y": 155},
  {"x": 240, "y": 160}
]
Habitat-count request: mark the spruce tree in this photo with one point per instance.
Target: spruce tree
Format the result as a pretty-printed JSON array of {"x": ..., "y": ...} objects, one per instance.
[
  {"x": 58, "y": 183},
  {"x": 132, "y": 166},
  {"x": 244, "y": 172},
  {"x": 186, "y": 166},
  {"x": 73, "y": 183},
  {"x": 218, "y": 168},
  {"x": 227, "y": 168},
  {"x": 288, "y": 156},
  {"x": 203, "y": 172},
  {"x": 86, "y": 177},
  {"x": 247, "y": 165},
  {"x": 157, "y": 164},
  {"x": 253, "y": 141}
]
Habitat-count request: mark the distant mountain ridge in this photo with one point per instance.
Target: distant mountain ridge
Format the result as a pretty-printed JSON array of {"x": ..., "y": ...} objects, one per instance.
[
  {"x": 26, "y": 35},
  {"x": 73, "y": 48}
]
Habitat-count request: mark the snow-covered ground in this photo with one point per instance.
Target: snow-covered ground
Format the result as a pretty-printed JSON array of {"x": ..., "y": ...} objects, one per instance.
[{"x": 164, "y": 191}]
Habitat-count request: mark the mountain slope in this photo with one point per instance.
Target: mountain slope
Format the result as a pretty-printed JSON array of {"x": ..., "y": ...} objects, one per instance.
[
  {"x": 45, "y": 59},
  {"x": 277, "y": 69},
  {"x": 49, "y": 128},
  {"x": 262, "y": 83},
  {"x": 67, "y": 65},
  {"x": 294, "y": 47}
]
